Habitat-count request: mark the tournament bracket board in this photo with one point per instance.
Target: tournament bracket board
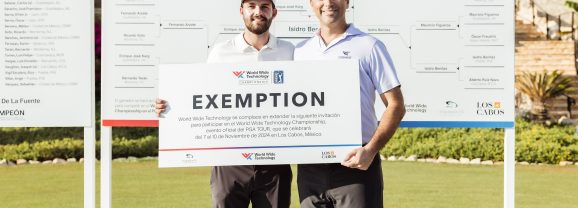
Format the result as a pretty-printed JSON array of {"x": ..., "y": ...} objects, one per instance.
[
  {"x": 140, "y": 36},
  {"x": 46, "y": 70},
  {"x": 46, "y": 64},
  {"x": 453, "y": 58}
]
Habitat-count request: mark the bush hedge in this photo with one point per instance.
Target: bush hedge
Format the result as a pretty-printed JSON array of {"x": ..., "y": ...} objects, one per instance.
[
  {"x": 535, "y": 143},
  {"x": 486, "y": 144},
  {"x": 35, "y": 134},
  {"x": 74, "y": 148}
]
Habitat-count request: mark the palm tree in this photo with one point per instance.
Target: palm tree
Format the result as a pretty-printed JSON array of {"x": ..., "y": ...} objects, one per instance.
[
  {"x": 572, "y": 5},
  {"x": 542, "y": 87}
]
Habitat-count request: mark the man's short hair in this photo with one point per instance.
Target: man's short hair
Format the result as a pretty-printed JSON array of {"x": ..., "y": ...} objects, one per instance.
[{"x": 272, "y": 3}]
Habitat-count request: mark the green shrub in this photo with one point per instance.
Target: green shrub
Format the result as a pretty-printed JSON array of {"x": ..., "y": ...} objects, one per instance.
[
  {"x": 14, "y": 152},
  {"x": 65, "y": 148},
  {"x": 147, "y": 146},
  {"x": 35, "y": 134},
  {"x": 534, "y": 143},
  {"x": 74, "y": 148}
]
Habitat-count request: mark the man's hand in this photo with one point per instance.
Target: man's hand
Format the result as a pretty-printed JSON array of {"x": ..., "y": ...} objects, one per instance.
[
  {"x": 160, "y": 106},
  {"x": 362, "y": 157},
  {"x": 359, "y": 158}
]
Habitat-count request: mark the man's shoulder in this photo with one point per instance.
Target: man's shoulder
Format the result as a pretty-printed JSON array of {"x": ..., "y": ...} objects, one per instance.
[
  {"x": 224, "y": 45},
  {"x": 365, "y": 39},
  {"x": 283, "y": 44},
  {"x": 218, "y": 49},
  {"x": 304, "y": 43}
]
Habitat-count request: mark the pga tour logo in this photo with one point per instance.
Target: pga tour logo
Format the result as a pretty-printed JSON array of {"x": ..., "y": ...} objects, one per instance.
[{"x": 278, "y": 77}]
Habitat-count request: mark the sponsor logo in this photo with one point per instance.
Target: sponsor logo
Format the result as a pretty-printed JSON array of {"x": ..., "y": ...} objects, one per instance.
[
  {"x": 328, "y": 155},
  {"x": 493, "y": 108},
  {"x": 451, "y": 104},
  {"x": 253, "y": 77},
  {"x": 248, "y": 156},
  {"x": 497, "y": 105},
  {"x": 189, "y": 158},
  {"x": 278, "y": 77},
  {"x": 451, "y": 108},
  {"x": 239, "y": 74},
  {"x": 345, "y": 55},
  {"x": 416, "y": 108},
  {"x": 260, "y": 156}
]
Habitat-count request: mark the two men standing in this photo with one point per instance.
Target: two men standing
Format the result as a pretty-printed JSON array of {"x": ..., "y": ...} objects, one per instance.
[{"x": 357, "y": 181}]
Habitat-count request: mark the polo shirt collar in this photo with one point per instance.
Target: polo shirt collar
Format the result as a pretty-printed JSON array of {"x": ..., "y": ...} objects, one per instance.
[
  {"x": 350, "y": 31},
  {"x": 242, "y": 45}
]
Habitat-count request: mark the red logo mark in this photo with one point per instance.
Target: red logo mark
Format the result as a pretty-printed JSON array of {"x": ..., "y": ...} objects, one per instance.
[
  {"x": 239, "y": 74},
  {"x": 247, "y": 156}
]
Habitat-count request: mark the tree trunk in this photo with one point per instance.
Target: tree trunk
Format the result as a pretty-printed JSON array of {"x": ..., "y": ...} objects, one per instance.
[{"x": 540, "y": 111}]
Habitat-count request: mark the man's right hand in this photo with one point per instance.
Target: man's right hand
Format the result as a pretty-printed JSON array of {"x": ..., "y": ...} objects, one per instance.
[{"x": 160, "y": 106}]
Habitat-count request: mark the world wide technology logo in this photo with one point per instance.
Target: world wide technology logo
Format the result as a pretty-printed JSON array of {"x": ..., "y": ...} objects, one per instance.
[
  {"x": 259, "y": 156},
  {"x": 248, "y": 156},
  {"x": 252, "y": 74},
  {"x": 253, "y": 77},
  {"x": 239, "y": 74}
]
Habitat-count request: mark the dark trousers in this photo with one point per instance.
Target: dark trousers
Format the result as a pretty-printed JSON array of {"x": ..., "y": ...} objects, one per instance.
[
  {"x": 334, "y": 185},
  {"x": 265, "y": 186}
]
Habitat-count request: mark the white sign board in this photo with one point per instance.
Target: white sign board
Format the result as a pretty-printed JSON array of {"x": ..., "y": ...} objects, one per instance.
[
  {"x": 259, "y": 113},
  {"x": 455, "y": 58},
  {"x": 46, "y": 64}
]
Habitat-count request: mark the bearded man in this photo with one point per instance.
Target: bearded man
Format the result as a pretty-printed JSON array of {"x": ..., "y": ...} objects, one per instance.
[{"x": 261, "y": 185}]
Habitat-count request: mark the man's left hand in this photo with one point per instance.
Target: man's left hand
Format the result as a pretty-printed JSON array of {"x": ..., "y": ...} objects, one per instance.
[{"x": 359, "y": 158}]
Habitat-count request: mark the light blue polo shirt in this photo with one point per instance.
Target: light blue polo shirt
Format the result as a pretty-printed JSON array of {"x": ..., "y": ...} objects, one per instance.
[{"x": 376, "y": 70}]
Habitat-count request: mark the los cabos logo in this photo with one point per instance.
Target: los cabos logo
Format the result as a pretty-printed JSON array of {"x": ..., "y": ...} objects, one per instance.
[
  {"x": 490, "y": 108},
  {"x": 239, "y": 74}
]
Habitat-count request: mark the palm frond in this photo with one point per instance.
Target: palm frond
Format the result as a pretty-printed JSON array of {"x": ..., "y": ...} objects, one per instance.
[
  {"x": 543, "y": 86},
  {"x": 572, "y": 5}
]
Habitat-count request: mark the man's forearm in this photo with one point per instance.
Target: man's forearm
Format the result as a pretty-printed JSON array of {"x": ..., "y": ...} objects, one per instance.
[{"x": 387, "y": 126}]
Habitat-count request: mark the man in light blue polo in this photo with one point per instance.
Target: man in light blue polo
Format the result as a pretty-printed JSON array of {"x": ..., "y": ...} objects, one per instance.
[{"x": 357, "y": 181}]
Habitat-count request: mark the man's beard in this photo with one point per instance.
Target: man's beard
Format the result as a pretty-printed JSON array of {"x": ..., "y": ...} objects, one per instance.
[{"x": 258, "y": 29}]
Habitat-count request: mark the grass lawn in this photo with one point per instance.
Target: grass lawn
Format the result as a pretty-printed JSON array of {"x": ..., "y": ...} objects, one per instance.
[{"x": 417, "y": 185}]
